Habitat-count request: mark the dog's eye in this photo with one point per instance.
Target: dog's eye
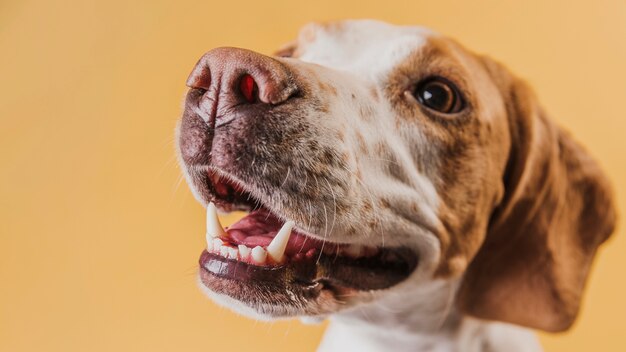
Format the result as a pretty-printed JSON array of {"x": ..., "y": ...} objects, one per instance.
[{"x": 440, "y": 95}]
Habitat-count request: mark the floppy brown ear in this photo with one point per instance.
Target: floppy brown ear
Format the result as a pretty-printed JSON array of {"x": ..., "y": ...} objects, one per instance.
[{"x": 557, "y": 209}]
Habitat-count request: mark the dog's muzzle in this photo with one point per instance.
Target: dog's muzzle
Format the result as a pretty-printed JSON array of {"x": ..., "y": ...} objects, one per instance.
[{"x": 243, "y": 127}]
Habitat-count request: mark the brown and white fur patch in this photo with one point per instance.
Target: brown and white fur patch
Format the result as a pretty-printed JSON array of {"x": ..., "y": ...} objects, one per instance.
[{"x": 503, "y": 209}]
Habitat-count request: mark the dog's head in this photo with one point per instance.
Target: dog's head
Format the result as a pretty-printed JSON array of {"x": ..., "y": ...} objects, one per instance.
[{"x": 399, "y": 157}]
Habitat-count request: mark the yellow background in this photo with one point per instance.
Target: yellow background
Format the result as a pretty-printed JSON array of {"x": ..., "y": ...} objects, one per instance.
[{"x": 98, "y": 237}]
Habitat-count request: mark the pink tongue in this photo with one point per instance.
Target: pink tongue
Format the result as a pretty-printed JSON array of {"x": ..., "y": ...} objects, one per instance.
[{"x": 259, "y": 229}]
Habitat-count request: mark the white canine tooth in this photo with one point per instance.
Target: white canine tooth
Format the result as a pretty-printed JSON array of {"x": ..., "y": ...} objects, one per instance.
[
  {"x": 244, "y": 251},
  {"x": 224, "y": 251},
  {"x": 259, "y": 254},
  {"x": 213, "y": 226},
  {"x": 232, "y": 253},
  {"x": 209, "y": 242},
  {"x": 276, "y": 249},
  {"x": 217, "y": 244}
]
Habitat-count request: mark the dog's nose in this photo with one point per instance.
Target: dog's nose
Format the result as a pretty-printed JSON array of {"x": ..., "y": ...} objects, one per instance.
[{"x": 231, "y": 76}]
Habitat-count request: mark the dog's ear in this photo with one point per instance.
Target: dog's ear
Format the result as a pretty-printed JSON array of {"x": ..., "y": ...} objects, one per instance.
[{"x": 557, "y": 209}]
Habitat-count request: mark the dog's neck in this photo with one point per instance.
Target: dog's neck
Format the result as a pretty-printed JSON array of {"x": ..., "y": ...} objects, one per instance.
[
  {"x": 413, "y": 318},
  {"x": 421, "y": 318}
]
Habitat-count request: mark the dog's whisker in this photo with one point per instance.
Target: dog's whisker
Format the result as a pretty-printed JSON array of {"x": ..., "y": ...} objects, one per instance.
[
  {"x": 286, "y": 177},
  {"x": 310, "y": 215},
  {"x": 380, "y": 159},
  {"x": 365, "y": 314},
  {"x": 325, "y": 235},
  {"x": 387, "y": 308},
  {"x": 334, "y": 205},
  {"x": 445, "y": 312},
  {"x": 179, "y": 181}
]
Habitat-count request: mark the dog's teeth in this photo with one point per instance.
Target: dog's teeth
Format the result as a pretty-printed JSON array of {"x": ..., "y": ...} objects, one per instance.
[
  {"x": 244, "y": 251},
  {"x": 213, "y": 227},
  {"x": 232, "y": 253},
  {"x": 276, "y": 249},
  {"x": 209, "y": 242},
  {"x": 259, "y": 254},
  {"x": 224, "y": 251},
  {"x": 217, "y": 245}
]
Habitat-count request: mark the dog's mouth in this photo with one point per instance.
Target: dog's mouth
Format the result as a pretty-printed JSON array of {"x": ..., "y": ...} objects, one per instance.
[{"x": 266, "y": 261}]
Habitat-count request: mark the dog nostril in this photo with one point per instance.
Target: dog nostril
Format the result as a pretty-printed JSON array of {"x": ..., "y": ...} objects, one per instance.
[
  {"x": 248, "y": 88},
  {"x": 200, "y": 78}
]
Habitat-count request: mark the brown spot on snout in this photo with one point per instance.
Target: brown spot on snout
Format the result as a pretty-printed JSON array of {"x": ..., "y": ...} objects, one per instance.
[
  {"x": 374, "y": 93},
  {"x": 361, "y": 141},
  {"x": 327, "y": 89}
]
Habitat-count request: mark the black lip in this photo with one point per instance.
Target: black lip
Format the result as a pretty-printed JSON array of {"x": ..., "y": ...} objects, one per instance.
[
  {"x": 360, "y": 274},
  {"x": 299, "y": 273}
]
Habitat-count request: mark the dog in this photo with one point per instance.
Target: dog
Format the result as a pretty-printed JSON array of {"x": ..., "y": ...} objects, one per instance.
[{"x": 411, "y": 191}]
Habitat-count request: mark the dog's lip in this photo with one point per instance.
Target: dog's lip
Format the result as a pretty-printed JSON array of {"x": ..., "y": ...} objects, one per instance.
[{"x": 364, "y": 274}]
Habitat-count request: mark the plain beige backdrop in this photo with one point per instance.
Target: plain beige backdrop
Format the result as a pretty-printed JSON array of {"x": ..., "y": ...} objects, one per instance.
[{"x": 98, "y": 237}]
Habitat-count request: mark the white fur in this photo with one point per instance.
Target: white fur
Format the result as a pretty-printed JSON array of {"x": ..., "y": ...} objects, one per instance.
[
  {"x": 421, "y": 318},
  {"x": 366, "y": 47}
]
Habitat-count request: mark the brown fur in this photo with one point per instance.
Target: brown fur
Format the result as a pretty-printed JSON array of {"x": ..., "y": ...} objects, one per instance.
[{"x": 557, "y": 209}]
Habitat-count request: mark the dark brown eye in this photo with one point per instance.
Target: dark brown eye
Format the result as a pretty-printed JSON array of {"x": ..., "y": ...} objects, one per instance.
[{"x": 440, "y": 95}]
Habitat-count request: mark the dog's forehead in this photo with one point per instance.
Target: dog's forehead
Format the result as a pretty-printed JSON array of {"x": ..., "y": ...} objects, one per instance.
[{"x": 368, "y": 48}]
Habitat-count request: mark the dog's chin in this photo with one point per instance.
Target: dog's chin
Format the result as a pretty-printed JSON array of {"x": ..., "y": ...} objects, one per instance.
[
  {"x": 313, "y": 310},
  {"x": 276, "y": 300}
]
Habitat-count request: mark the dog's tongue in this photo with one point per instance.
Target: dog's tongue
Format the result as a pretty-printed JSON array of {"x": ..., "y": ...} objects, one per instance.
[{"x": 260, "y": 227}]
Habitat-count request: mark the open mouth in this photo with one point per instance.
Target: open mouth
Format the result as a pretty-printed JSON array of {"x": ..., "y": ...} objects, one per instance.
[{"x": 262, "y": 249}]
